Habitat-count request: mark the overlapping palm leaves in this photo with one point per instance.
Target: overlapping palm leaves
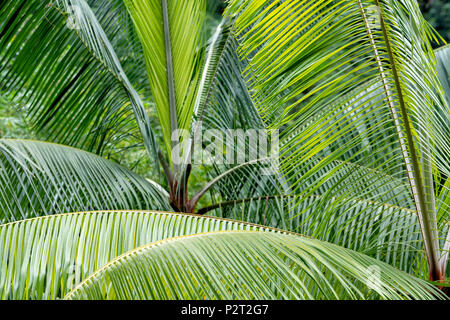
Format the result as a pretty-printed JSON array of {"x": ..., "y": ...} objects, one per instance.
[
  {"x": 70, "y": 76},
  {"x": 352, "y": 87},
  {"x": 45, "y": 258},
  {"x": 401, "y": 130}
]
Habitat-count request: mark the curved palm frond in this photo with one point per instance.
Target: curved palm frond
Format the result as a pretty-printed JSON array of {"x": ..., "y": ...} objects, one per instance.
[
  {"x": 225, "y": 106},
  {"x": 361, "y": 208},
  {"x": 385, "y": 232},
  {"x": 248, "y": 265},
  {"x": 229, "y": 106},
  {"x": 59, "y": 61},
  {"x": 223, "y": 101},
  {"x": 44, "y": 258},
  {"x": 351, "y": 205},
  {"x": 38, "y": 178},
  {"x": 305, "y": 56}
]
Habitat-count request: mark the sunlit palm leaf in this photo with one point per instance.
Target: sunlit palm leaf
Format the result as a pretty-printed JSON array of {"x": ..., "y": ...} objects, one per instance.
[
  {"x": 45, "y": 258},
  {"x": 298, "y": 74},
  {"x": 342, "y": 202},
  {"x": 170, "y": 49},
  {"x": 356, "y": 219},
  {"x": 248, "y": 265}
]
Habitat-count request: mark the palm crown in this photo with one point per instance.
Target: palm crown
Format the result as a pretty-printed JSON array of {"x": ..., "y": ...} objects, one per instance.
[{"x": 352, "y": 87}]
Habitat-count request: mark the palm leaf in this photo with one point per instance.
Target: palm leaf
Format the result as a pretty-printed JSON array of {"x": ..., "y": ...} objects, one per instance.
[
  {"x": 294, "y": 75},
  {"x": 45, "y": 258},
  {"x": 38, "y": 178},
  {"x": 223, "y": 101},
  {"x": 169, "y": 32},
  {"x": 248, "y": 265},
  {"x": 351, "y": 205},
  {"x": 385, "y": 232},
  {"x": 225, "y": 105},
  {"x": 443, "y": 68},
  {"x": 70, "y": 75}
]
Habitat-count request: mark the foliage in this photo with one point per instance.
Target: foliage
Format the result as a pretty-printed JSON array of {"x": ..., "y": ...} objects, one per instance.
[
  {"x": 169, "y": 268},
  {"x": 352, "y": 87},
  {"x": 437, "y": 12},
  {"x": 311, "y": 270},
  {"x": 12, "y": 122}
]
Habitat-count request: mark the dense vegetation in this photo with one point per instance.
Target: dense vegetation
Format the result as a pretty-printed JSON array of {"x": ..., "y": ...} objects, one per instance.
[
  {"x": 437, "y": 12},
  {"x": 91, "y": 193}
]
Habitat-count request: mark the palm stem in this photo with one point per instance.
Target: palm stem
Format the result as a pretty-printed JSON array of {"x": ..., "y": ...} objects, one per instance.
[
  {"x": 209, "y": 185},
  {"x": 234, "y": 202},
  {"x": 427, "y": 223},
  {"x": 170, "y": 79}
]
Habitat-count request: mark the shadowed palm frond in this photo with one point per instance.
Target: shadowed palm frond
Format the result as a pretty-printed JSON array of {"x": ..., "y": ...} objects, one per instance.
[
  {"x": 58, "y": 60},
  {"x": 38, "y": 178}
]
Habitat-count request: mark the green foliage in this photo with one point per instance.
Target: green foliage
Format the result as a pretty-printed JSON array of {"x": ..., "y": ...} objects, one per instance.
[
  {"x": 249, "y": 265},
  {"x": 351, "y": 86},
  {"x": 12, "y": 122},
  {"x": 437, "y": 12},
  {"x": 256, "y": 262},
  {"x": 78, "y": 244},
  {"x": 172, "y": 60},
  {"x": 39, "y": 178}
]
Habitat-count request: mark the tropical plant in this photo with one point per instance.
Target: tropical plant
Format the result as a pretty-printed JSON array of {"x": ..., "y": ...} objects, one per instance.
[{"x": 351, "y": 86}]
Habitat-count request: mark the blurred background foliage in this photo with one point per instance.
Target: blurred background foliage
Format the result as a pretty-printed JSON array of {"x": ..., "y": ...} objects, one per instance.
[
  {"x": 437, "y": 12},
  {"x": 13, "y": 123}
]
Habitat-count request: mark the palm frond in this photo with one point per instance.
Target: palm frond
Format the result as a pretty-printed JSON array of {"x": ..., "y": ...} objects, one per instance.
[
  {"x": 336, "y": 46},
  {"x": 45, "y": 258},
  {"x": 385, "y": 232},
  {"x": 361, "y": 208},
  {"x": 38, "y": 178},
  {"x": 169, "y": 32},
  {"x": 443, "y": 68},
  {"x": 225, "y": 106},
  {"x": 58, "y": 60},
  {"x": 223, "y": 101},
  {"x": 249, "y": 265}
]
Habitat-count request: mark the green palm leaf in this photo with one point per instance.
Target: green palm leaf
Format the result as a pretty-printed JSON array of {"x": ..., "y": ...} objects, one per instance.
[
  {"x": 350, "y": 205},
  {"x": 45, "y": 258},
  {"x": 70, "y": 75},
  {"x": 337, "y": 45},
  {"x": 223, "y": 101},
  {"x": 169, "y": 32},
  {"x": 248, "y": 265},
  {"x": 443, "y": 68},
  {"x": 385, "y": 232}
]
